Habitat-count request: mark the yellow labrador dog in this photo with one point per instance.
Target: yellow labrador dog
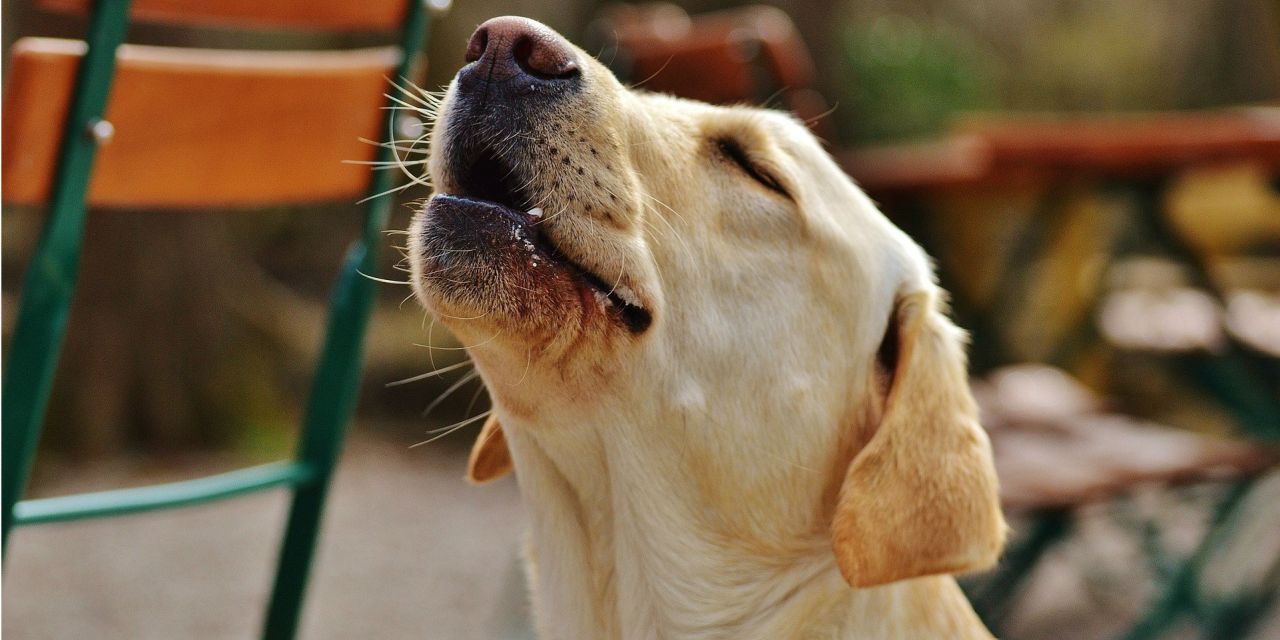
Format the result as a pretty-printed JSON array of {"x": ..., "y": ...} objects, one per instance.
[{"x": 724, "y": 380}]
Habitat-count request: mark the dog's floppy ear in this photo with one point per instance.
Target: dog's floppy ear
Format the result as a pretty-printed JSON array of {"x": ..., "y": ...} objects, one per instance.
[
  {"x": 921, "y": 497},
  {"x": 490, "y": 459}
]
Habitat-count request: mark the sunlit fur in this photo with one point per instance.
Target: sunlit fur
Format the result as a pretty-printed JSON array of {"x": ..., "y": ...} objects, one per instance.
[{"x": 706, "y": 478}]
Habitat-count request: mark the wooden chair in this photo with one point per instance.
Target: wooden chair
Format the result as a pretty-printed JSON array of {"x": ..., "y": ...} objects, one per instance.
[{"x": 111, "y": 125}]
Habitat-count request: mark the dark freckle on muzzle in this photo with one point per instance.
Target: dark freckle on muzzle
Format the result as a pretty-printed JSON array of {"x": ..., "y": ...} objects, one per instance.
[
  {"x": 519, "y": 72},
  {"x": 503, "y": 150}
]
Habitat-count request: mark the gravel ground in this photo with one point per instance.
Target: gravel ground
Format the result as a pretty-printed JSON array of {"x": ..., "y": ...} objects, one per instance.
[{"x": 409, "y": 550}]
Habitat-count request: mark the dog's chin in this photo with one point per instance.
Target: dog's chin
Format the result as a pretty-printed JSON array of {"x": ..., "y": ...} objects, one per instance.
[{"x": 482, "y": 263}]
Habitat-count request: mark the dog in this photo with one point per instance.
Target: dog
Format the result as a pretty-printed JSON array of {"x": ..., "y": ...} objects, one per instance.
[{"x": 725, "y": 382}]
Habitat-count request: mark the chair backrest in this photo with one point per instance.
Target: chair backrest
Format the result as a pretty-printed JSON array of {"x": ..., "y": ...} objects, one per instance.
[
  {"x": 201, "y": 127},
  {"x": 749, "y": 54},
  {"x": 170, "y": 128}
]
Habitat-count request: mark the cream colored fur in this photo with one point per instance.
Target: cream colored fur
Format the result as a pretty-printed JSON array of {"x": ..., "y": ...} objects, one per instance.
[{"x": 744, "y": 468}]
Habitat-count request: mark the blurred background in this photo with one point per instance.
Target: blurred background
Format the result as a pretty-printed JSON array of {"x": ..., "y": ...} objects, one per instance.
[{"x": 1096, "y": 180}]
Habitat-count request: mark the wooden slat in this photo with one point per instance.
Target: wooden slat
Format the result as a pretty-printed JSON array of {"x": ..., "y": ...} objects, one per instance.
[
  {"x": 199, "y": 128},
  {"x": 1133, "y": 145},
  {"x": 338, "y": 15},
  {"x": 991, "y": 152}
]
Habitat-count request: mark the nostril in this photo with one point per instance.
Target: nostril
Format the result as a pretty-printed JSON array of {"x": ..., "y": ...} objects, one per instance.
[
  {"x": 508, "y": 47},
  {"x": 542, "y": 60},
  {"x": 477, "y": 44},
  {"x": 522, "y": 51}
]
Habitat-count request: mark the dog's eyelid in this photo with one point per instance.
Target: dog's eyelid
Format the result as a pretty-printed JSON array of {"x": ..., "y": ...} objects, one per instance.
[{"x": 733, "y": 150}]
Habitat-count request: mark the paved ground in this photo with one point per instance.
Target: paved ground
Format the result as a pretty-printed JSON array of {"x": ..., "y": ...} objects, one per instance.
[{"x": 409, "y": 551}]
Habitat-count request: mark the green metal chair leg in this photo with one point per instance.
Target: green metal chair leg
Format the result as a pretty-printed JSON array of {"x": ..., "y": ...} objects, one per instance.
[
  {"x": 333, "y": 399},
  {"x": 1179, "y": 593},
  {"x": 51, "y": 276},
  {"x": 336, "y": 384}
]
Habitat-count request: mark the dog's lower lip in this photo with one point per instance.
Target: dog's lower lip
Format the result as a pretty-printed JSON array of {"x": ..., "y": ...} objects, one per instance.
[
  {"x": 490, "y": 176},
  {"x": 621, "y": 300}
]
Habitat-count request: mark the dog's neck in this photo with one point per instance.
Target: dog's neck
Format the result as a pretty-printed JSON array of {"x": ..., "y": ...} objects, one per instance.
[{"x": 644, "y": 527}]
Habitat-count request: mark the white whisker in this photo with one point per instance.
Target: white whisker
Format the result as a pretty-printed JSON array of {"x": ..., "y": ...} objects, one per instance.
[
  {"x": 468, "y": 377},
  {"x": 424, "y": 376},
  {"x": 451, "y": 428},
  {"x": 383, "y": 280},
  {"x": 474, "y": 397}
]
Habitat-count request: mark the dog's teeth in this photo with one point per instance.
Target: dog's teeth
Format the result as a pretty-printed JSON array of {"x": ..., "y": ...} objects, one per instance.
[
  {"x": 628, "y": 296},
  {"x": 535, "y": 212}
]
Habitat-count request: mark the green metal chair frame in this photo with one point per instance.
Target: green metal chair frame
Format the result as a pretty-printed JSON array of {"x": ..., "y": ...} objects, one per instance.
[{"x": 42, "y": 319}]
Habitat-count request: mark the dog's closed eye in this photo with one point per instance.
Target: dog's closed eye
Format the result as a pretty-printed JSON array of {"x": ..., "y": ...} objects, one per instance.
[{"x": 732, "y": 150}]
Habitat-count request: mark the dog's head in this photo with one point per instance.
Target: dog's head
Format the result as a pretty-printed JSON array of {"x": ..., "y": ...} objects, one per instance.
[{"x": 592, "y": 244}]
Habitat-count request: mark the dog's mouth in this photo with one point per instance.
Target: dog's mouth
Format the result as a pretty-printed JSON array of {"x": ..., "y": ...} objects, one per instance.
[{"x": 490, "y": 185}]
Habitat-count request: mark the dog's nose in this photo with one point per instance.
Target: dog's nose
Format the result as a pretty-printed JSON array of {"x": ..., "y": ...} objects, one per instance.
[{"x": 513, "y": 47}]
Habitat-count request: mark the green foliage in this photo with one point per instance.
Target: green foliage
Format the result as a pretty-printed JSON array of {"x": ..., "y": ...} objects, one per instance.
[{"x": 904, "y": 78}]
